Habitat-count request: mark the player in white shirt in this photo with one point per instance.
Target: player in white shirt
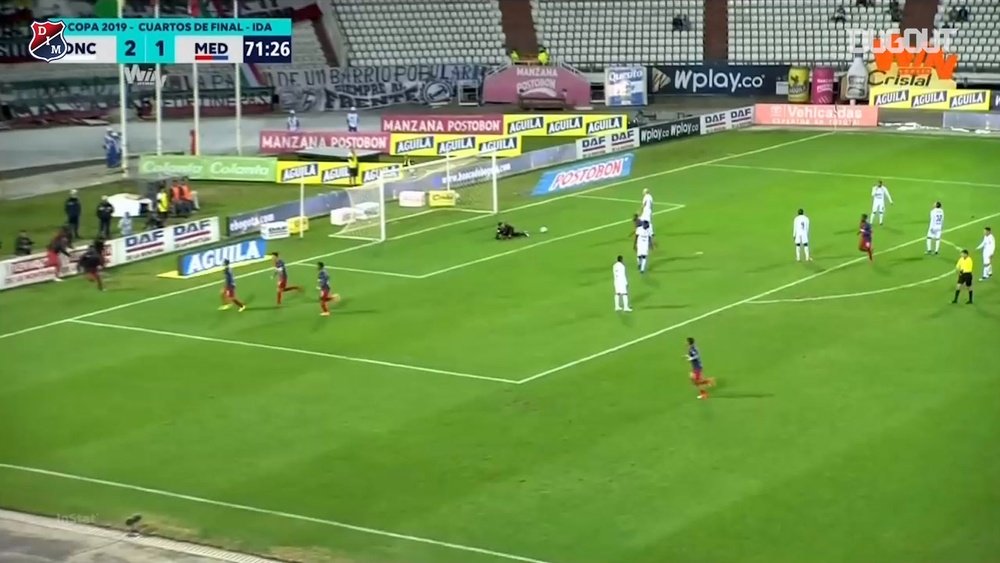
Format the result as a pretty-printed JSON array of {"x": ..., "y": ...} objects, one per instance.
[
  {"x": 800, "y": 234},
  {"x": 352, "y": 120},
  {"x": 292, "y": 121},
  {"x": 643, "y": 243},
  {"x": 989, "y": 247},
  {"x": 935, "y": 228},
  {"x": 646, "y": 211},
  {"x": 621, "y": 285},
  {"x": 880, "y": 194}
]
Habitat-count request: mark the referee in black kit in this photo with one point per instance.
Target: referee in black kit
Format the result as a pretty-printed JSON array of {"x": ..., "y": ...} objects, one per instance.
[{"x": 965, "y": 267}]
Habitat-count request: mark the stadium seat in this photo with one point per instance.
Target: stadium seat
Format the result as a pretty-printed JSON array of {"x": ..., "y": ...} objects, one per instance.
[
  {"x": 798, "y": 31},
  {"x": 977, "y": 39},
  {"x": 437, "y": 31},
  {"x": 591, "y": 34}
]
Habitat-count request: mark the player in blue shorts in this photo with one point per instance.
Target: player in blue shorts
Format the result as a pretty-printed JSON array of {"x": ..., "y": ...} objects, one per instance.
[
  {"x": 229, "y": 289},
  {"x": 281, "y": 272},
  {"x": 865, "y": 231},
  {"x": 325, "y": 297}
]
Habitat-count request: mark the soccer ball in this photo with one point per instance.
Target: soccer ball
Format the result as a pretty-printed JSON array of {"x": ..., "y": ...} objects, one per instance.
[{"x": 543, "y": 230}]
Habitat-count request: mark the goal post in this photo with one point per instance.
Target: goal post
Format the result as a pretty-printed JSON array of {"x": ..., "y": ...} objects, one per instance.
[{"x": 360, "y": 212}]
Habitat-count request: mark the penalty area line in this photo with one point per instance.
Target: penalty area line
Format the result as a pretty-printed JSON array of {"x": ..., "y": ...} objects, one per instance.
[
  {"x": 852, "y": 295},
  {"x": 299, "y": 351},
  {"x": 268, "y": 512}
]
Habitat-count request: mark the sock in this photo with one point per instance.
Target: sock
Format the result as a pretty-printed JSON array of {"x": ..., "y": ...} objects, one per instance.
[
  {"x": 625, "y": 301},
  {"x": 617, "y": 306},
  {"x": 280, "y": 293},
  {"x": 238, "y": 303},
  {"x": 957, "y": 292},
  {"x": 870, "y": 257},
  {"x": 986, "y": 271},
  {"x": 324, "y": 306},
  {"x": 642, "y": 264},
  {"x": 928, "y": 245},
  {"x": 806, "y": 249},
  {"x": 797, "y": 252},
  {"x": 937, "y": 245},
  {"x": 970, "y": 296}
]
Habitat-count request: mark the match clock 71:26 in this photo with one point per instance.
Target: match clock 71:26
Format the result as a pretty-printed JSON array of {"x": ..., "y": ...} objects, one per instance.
[{"x": 267, "y": 49}]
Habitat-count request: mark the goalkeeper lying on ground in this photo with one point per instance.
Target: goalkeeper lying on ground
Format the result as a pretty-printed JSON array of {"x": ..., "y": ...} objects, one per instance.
[{"x": 506, "y": 231}]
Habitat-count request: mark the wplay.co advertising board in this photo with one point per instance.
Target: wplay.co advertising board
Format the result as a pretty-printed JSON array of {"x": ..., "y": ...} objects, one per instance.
[
  {"x": 415, "y": 144},
  {"x": 225, "y": 168},
  {"x": 930, "y": 98},
  {"x": 718, "y": 79},
  {"x": 564, "y": 125},
  {"x": 574, "y": 177}
]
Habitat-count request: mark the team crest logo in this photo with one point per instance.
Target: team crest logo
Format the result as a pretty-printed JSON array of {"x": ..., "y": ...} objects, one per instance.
[{"x": 47, "y": 41}]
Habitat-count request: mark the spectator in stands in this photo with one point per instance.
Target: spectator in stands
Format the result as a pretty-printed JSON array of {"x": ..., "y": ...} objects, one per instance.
[
  {"x": 895, "y": 14},
  {"x": 680, "y": 22},
  {"x": 23, "y": 244},
  {"x": 839, "y": 15},
  {"x": 293, "y": 121},
  {"x": 543, "y": 55},
  {"x": 963, "y": 14},
  {"x": 865, "y": 3},
  {"x": 515, "y": 57}
]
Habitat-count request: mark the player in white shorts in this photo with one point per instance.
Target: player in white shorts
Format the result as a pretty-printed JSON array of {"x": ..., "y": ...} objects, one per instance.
[
  {"x": 989, "y": 247},
  {"x": 800, "y": 234},
  {"x": 621, "y": 285},
  {"x": 935, "y": 228},
  {"x": 643, "y": 243},
  {"x": 880, "y": 194},
  {"x": 646, "y": 210}
]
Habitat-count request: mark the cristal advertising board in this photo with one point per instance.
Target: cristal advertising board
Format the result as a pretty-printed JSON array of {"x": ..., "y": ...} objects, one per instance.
[
  {"x": 625, "y": 86},
  {"x": 452, "y": 124},
  {"x": 718, "y": 79},
  {"x": 278, "y": 142},
  {"x": 563, "y": 124},
  {"x": 226, "y": 168}
]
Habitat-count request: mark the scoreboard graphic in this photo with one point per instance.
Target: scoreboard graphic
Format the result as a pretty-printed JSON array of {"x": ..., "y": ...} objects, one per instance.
[{"x": 163, "y": 41}]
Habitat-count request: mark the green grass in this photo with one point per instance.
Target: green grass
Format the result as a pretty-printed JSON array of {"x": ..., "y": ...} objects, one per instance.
[{"x": 859, "y": 429}]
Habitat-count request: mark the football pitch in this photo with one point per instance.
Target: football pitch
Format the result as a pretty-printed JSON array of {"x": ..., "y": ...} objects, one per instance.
[{"x": 474, "y": 400}]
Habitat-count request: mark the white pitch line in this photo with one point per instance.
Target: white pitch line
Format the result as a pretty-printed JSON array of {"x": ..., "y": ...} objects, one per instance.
[
  {"x": 849, "y": 175},
  {"x": 267, "y": 512},
  {"x": 491, "y": 257},
  {"x": 294, "y": 351},
  {"x": 603, "y": 198},
  {"x": 852, "y": 295},
  {"x": 732, "y": 305},
  {"x": 545, "y": 201}
]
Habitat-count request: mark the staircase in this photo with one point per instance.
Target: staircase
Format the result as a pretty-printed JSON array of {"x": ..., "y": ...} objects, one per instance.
[
  {"x": 519, "y": 26},
  {"x": 919, "y": 14},
  {"x": 716, "y": 40}
]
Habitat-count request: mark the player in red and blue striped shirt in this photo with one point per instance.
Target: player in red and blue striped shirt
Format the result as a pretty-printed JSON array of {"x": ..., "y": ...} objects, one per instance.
[
  {"x": 229, "y": 289},
  {"x": 323, "y": 279},
  {"x": 697, "y": 378},
  {"x": 281, "y": 272},
  {"x": 865, "y": 244}
]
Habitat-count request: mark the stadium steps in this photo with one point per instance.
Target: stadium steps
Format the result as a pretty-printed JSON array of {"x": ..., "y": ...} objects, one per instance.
[
  {"x": 919, "y": 14},
  {"x": 716, "y": 40},
  {"x": 518, "y": 25}
]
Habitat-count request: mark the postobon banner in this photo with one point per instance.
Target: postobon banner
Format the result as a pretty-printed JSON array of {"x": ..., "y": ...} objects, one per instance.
[
  {"x": 335, "y": 173},
  {"x": 930, "y": 98},
  {"x": 415, "y": 144},
  {"x": 564, "y": 125}
]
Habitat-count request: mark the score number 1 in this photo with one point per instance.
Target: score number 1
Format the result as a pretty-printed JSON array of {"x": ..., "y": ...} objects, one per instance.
[
  {"x": 138, "y": 51},
  {"x": 267, "y": 49}
]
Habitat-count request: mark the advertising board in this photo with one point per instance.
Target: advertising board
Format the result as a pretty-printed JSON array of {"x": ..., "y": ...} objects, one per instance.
[
  {"x": 453, "y": 124},
  {"x": 726, "y": 120},
  {"x": 930, "y": 98},
  {"x": 563, "y": 124},
  {"x": 607, "y": 144},
  {"x": 574, "y": 177},
  {"x": 227, "y": 168},
  {"x": 417, "y": 144},
  {"x": 512, "y": 83},
  {"x": 625, "y": 86},
  {"x": 210, "y": 260},
  {"x": 717, "y": 79},
  {"x": 802, "y": 115},
  {"x": 669, "y": 130},
  {"x": 279, "y": 142},
  {"x": 329, "y": 173}
]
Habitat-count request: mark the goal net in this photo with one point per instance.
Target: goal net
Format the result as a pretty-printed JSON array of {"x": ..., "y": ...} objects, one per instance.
[{"x": 468, "y": 184}]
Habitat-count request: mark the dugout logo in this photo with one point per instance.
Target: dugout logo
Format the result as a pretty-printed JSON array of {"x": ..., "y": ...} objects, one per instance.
[
  {"x": 564, "y": 125},
  {"x": 413, "y": 145},
  {"x": 930, "y": 98}
]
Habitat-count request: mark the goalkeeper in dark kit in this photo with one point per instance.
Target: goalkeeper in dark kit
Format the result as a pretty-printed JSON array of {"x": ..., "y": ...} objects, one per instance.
[{"x": 506, "y": 231}]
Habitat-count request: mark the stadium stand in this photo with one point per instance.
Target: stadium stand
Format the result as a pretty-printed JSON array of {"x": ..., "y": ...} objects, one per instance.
[
  {"x": 799, "y": 31},
  {"x": 409, "y": 32},
  {"x": 977, "y": 42},
  {"x": 594, "y": 33}
]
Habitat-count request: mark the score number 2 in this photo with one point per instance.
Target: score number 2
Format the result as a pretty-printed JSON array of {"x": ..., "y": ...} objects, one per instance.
[{"x": 130, "y": 47}]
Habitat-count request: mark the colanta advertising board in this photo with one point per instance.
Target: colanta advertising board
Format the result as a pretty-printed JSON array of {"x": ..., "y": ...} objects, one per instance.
[
  {"x": 574, "y": 177},
  {"x": 416, "y": 144},
  {"x": 226, "y": 168},
  {"x": 564, "y": 125},
  {"x": 930, "y": 98},
  {"x": 720, "y": 79}
]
